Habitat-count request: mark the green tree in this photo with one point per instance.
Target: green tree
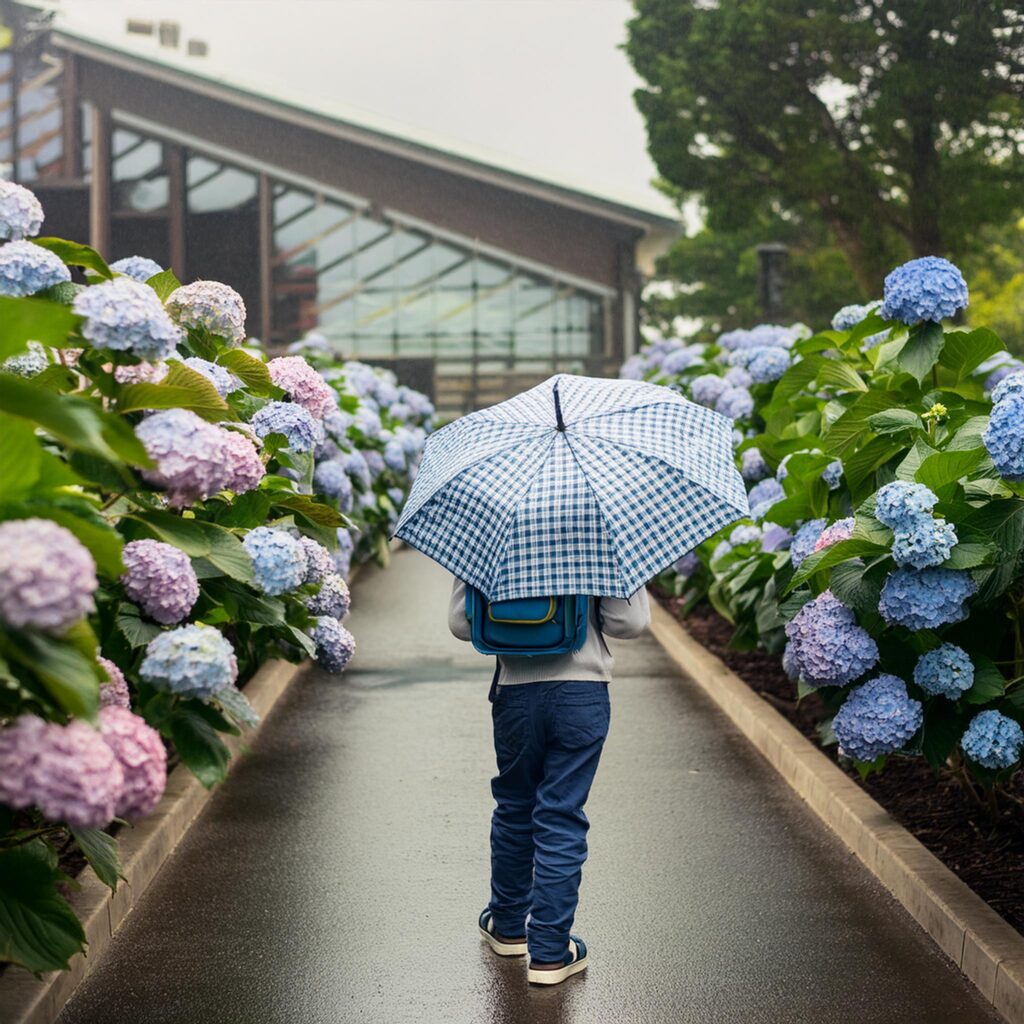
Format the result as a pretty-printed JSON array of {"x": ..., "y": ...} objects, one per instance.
[{"x": 882, "y": 129}]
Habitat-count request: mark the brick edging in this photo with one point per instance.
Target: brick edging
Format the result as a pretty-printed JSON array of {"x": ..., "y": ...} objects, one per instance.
[
  {"x": 983, "y": 946},
  {"x": 143, "y": 850}
]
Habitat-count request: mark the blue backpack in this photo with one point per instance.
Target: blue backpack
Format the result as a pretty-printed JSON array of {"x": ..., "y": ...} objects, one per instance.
[{"x": 528, "y": 625}]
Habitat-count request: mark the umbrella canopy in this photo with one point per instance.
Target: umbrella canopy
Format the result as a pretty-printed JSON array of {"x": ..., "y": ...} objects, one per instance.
[{"x": 580, "y": 485}]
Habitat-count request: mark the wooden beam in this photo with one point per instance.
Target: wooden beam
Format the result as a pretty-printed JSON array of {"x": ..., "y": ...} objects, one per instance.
[
  {"x": 99, "y": 191},
  {"x": 174, "y": 157},
  {"x": 266, "y": 257}
]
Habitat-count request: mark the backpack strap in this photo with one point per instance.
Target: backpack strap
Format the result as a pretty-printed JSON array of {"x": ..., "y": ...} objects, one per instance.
[{"x": 493, "y": 692}]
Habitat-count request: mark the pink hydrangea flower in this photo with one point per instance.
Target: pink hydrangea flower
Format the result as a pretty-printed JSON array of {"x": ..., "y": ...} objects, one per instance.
[
  {"x": 160, "y": 579},
  {"x": 841, "y": 529},
  {"x": 244, "y": 468},
  {"x": 142, "y": 757},
  {"x": 113, "y": 693},
  {"x": 303, "y": 385}
]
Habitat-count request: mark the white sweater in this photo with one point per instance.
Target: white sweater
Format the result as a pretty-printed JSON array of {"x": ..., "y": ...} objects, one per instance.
[{"x": 622, "y": 619}]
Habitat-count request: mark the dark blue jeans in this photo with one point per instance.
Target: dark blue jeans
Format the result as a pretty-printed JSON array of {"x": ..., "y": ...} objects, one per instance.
[{"x": 548, "y": 739}]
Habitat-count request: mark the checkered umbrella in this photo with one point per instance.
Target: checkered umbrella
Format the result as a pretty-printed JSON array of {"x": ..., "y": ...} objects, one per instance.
[{"x": 580, "y": 485}]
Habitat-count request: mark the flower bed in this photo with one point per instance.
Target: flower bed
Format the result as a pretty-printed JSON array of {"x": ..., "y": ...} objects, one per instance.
[
  {"x": 881, "y": 561},
  {"x": 175, "y": 509}
]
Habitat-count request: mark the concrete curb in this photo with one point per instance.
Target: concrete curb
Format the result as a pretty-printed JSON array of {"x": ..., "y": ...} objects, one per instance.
[
  {"x": 144, "y": 848},
  {"x": 985, "y": 948}
]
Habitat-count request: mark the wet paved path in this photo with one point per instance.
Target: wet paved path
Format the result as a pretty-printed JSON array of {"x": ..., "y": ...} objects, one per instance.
[{"x": 337, "y": 876}]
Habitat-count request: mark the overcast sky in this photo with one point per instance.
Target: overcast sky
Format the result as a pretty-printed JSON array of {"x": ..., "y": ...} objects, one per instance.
[{"x": 540, "y": 83}]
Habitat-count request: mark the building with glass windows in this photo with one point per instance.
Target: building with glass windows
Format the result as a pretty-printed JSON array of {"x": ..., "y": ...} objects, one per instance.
[{"x": 475, "y": 280}]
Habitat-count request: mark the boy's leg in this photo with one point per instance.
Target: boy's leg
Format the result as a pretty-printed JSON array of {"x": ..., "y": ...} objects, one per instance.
[
  {"x": 576, "y": 726},
  {"x": 520, "y": 761}
]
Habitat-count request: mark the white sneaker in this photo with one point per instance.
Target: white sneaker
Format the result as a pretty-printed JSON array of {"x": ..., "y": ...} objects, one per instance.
[
  {"x": 575, "y": 961},
  {"x": 499, "y": 947}
]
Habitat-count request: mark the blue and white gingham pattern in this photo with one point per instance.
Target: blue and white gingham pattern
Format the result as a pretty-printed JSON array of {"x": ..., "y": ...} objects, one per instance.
[{"x": 511, "y": 505}]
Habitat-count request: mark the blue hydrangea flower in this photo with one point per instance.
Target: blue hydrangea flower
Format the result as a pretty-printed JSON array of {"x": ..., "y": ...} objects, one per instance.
[
  {"x": 222, "y": 379},
  {"x": 993, "y": 740},
  {"x": 191, "y": 661},
  {"x": 752, "y": 465},
  {"x": 278, "y": 560},
  {"x": 744, "y": 534},
  {"x": 1011, "y": 384},
  {"x": 877, "y": 718},
  {"x": 680, "y": 359},
  {"x": 302, "y": 431},
  {"x": 397, "y": 496},
  {"x": 367, "y": 422},
  {"x": 826, "y": 646},
  {"x": 331, "y": 599},
  {"x": 330, "y": 478},
  {"x": 999, "y": 374},
  {"x": 27, "y": 268},
  {"x": 849, "y": 316},
  {"x": 925, "y": 598},
  {"x": 782, "y": 471},
  {"x": 319, "y": 563},
  {"x": 929, "y": 288},
  {"x": 138, "y": 268},
  {"x": 804, "y": 540},
  {"x": 899, "y": 504},
  {"x": 738, "y": 377},
  {"x": 357, "y": 468},
  {"x": 776, "y": 538},
  {"x": 375, "y": 461},
  {"x": 335, "y": 645},
  {"x": 28, "y": 363},
  {"x": 343, "y": 555},
  {"x": 337, "y": 423},
  {"x": 126, "y": 316},
  {"x": 394, "y": 456},
  {"x": 763, "y": 495},
  {"x": 707, "y": 389},
  {"x": 832, "y": 474},
  {"x": 687, "y": 565},
  {"x": 735, "y": 403},
  {"x": 768, "y": 364},
  {"x": 1004, "y": 435},
  {"x": 927, "y": 542},
  {"x": 21, "y": 213},
  {"x": 722, "y": 548},
  {"x": 946, "y": 671}
]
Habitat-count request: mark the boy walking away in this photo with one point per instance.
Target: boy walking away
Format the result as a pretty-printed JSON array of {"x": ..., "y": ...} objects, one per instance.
[{"x": 551, "y": 715}]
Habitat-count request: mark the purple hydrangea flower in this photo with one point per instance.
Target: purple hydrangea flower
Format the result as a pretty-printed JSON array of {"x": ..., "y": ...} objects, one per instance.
[
  {"x": 841, "y": 529},
  {"x": 1004, "y": 435},
  {"x": 332, "y": 599},
  {"x": 947, "y": 671},
  {"x": 722, "y": 548},
  {"x": 929, "y": 288},
  {"x": 374, "y": 461},
  {"x": 367, "y": 422},
  {"x": 47, "y": 576},
  {"x": 745, "y": 534},
  {"x": 993, "y": 740},
  {"x": 335, "y": 645},
  {"x": 394, "y": 456},
  {"x": 278, "y": 560},
  {"x": 298, "y": 426},
  {"x": 877, "y": 718},
  {"x": 925, "y": 598},
  {"x": 21, "y": 213},
  {"x": 849, "y": 316},
  {"x": 160, "y": 579},
  {"x": 411, "y": 439},
  {"x": 27, "y": 268},
  {"x": 126, "y": 316},
  {"x": 243, "y": 468},
  {"x": 212, "y": 306},
  {"x": 138, "y": 268},
  {"x": 775, "y": 538},
  {"x": 826, "y": 645},
  {"x": 143, "y": 759},
  {"x": 337, "y": 423},
  {"x": 804, "y": 540},
  {"x": 633, "y": 368},
  {"x": 832, "y": 474},
  {"x": 302, "y": 384},
  {"x": 319, "y": 563},
  {"x": 190, "y": 661},
  {"x": 67, "y": 771},
  {"x": 343, "y": 555},
  {"x": 687, "y": 565},
  {"x": 899, "y": 504},
  {"x": 707, "y": 389},
  {"x": 735, "y": 403},
  {"x": 114, "y": 692},
  {"x": 927, "y": 542},
  {"x": 738, "y": 377},
  {"x": 222, "y": 379},
  {"x": 679, "y": 359},
  {"x": 763, "y": 495},
  {"x": 330, "y": 478},
  {"x": 189, "y": 454},
  {"x": 752, "y": 465}
]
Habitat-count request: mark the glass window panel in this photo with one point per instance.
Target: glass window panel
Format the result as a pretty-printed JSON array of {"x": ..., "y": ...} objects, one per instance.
[
  {"x": 215, "y": 186},
  {"x": 138, "y": 172}
]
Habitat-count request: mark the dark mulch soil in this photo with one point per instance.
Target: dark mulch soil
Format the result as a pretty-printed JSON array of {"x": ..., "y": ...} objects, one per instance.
[{"x": 988, "y": 857}]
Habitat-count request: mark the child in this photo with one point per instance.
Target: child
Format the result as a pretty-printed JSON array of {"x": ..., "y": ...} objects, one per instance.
[{"x": 550, "y": 722}]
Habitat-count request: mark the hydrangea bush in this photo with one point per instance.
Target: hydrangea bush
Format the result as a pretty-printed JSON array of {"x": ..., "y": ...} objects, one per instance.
[
  {"x": 161, "y": 536},
  {"x": 890, "y": 447}
]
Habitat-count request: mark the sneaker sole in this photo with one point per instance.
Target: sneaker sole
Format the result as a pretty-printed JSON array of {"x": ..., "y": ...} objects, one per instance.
[
  {"x": 503, "y": 948},
  {"x": 556, "y": 977}
]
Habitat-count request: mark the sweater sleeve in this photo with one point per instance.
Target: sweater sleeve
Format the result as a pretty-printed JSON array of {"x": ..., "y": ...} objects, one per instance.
[
  {"x": 457, "y": 621},
  {"x": 625, "y": 619}
]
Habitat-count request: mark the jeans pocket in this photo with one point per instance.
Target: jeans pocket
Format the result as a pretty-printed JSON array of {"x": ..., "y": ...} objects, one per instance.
[
  {"x": 582, "y": 715},
  {"x": 509, "y": 718}
]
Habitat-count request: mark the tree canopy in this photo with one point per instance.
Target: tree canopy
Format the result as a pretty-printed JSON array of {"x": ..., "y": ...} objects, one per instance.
[{"x": 864, "y": 132}]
